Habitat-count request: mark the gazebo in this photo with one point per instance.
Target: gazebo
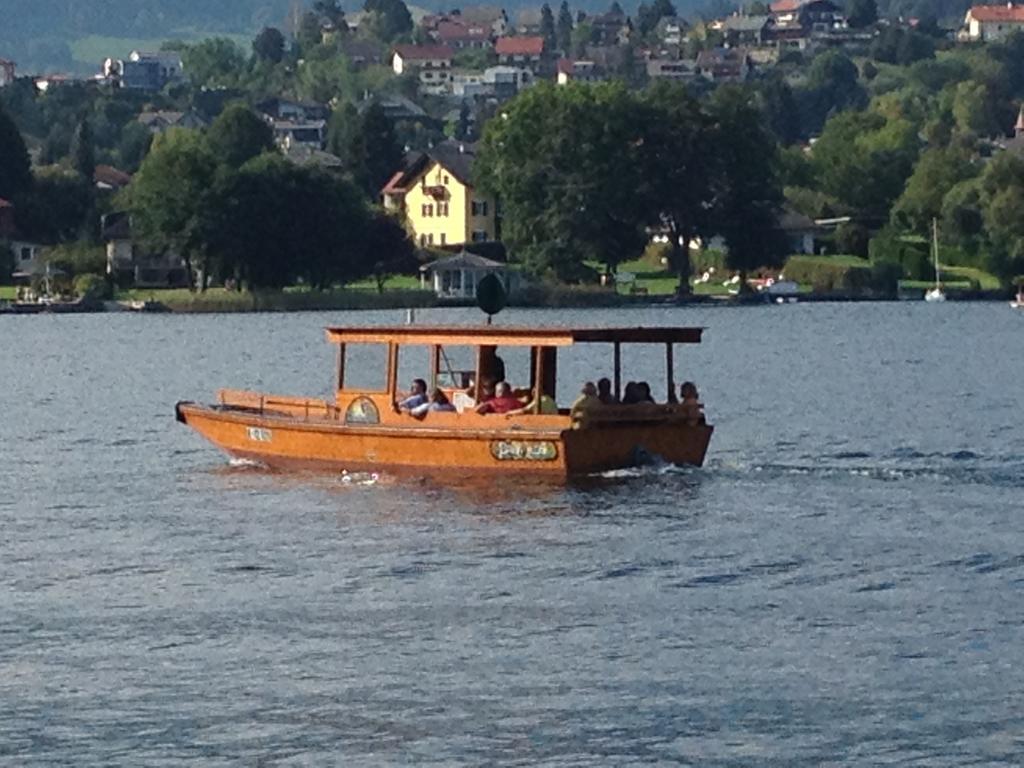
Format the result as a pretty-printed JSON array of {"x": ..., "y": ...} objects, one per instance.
[{"x": 456, "y": 277}]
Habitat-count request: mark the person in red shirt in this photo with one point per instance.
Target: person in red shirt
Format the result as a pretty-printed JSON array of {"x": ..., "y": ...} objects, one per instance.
[{"x": 502, "y": 402}]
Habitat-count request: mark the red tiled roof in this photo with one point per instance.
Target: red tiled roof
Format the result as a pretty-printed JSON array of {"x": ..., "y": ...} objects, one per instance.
[
  {"x": 997, "y": 13},
  {"x": 519, "y": 46},
  {"x": 423, "y": 52},
  {"x": 786, "y": 6},
  {"x": 111, "y": 176},
  {"x": 453, "y": 30},
  {"x": 565, "y": 66}
]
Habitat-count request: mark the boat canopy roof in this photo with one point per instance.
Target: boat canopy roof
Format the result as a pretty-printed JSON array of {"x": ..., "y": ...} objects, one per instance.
[{"x": 489, "y": 335}]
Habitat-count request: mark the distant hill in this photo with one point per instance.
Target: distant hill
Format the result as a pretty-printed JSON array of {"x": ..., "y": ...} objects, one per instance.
[
  {"x": 65, "y": 35},
  {"x": 68, "y": 35}
]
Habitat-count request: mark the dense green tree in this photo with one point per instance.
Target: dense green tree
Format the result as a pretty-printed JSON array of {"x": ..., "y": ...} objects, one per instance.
[
  {"x": 780, "y": 108},
  {"x": 563, "y": 29},
  {"x": 83, "y": 150},
  {"x": 567, "y": 164},
  {"x": 269, "y": 45},
  {"x": 864, "y": 160},
  {"x": 215, "y": 62},
  {"x": 389, "y": 251},
  {"x": 937, "y": 172},
  {"x": 748, "y": 190},
  {"x": 679, "y": 159},
  {"x": 169, "y": 195},
  {"x": 15, "y": 167},
  {"x": 895, "y": 45},
  {"x": 975, "y": 110},
  {"x": 238, "y": 135},
  {"x": 547, "y": 28},
  {"x": 366, "y": 143},
  {"x": 862, "y": 13},
  {"x": 387, "y": 19},
  {"x": 59, "y": 207},
  {"x": 275, "y": 223},
  {"x": 832, "y": 86},
  {"x": 1001, "y": 188}
]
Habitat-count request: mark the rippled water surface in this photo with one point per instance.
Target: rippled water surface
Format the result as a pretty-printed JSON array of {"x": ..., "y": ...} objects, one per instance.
[{"x": 842, "y": 584}]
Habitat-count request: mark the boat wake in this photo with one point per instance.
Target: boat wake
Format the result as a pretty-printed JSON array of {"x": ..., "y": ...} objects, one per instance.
[{"x": 959, "y": 467}]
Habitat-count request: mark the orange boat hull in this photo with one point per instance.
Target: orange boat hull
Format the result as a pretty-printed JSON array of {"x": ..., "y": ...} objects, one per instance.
[{"x": 554, "y": 449}]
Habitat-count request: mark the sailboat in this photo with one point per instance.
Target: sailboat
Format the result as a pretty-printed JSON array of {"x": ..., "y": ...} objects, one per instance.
[
  {"x": 1018, "y": 303},
  {"x": 936, "y": 293}
]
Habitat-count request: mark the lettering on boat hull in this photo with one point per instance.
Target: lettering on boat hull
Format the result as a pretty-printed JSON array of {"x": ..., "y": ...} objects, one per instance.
[
  {"x": 521, "y": 450},
  {"x": 260, "y": 435}
]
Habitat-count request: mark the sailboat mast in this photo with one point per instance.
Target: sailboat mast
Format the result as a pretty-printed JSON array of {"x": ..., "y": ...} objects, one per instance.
[{"x": 935, "y": 251}]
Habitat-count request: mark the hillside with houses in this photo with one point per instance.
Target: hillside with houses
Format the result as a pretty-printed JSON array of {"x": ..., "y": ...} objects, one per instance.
[{"x": 650, "y": 151}]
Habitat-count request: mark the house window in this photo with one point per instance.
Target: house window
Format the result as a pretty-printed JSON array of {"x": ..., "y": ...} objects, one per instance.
[
  {"x": 442, "y": 209},
  {"x": 479, "y": 236},
  {"x": 423, "y": 241},
  {"x": 430, "y": 239},
  {"x": 444, "y": 239},
  {"x": 26, "y": 254},
  {"x": 446, "y": 180},
  {"x": 479, "y": 207},
  {"x": 428, "y": 209}
]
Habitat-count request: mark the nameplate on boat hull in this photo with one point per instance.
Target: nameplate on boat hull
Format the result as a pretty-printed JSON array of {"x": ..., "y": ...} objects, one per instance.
[
  {"x": 522, "y": 450},
  {"x": 362, "y": 411},
  {"x": 260, "y": 435}
]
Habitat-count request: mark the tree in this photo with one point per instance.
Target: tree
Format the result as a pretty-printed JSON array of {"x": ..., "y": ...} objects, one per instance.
[
  {"x": 832, "y": 86},
  {"x": 615, "y": 9},
  {"x": 269, "y": 45},
  {"x": 15, "y": 166},
  {"x": 169, "y": 195},
  {"x": 864, "y": 160},
  {"x": 547, "y": 28},
  {"x": 937, "y": 172},
  {"x": 277, "y": 223},
  {"x": 83, "y": 150},
  {"x": 563, "y": 30},
  {"x": 567, "y": 164},
  {"x": 238, "y": 135},
  {"x": 974, "y": 110},
  {"x": 59, "y": 207},
  {"x": 387, "y": 19},
  {"x": 679, "y": 165},
  {"x": 367, "y": 146},
  {"x": 214, "y": 62},
  {"x": 388, "y": 248},
  {"x": 747, "y": 189},
  {"x": 648, "y": 16},
  {"x": 902, "y": 46},
  {"x": 862, "y": 13}
]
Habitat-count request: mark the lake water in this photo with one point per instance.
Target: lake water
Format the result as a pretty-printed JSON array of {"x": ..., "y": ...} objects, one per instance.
[{"x": 841, "y": 584}]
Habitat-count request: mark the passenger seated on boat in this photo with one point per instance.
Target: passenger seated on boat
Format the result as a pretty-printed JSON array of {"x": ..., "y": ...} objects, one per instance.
[
  {"x": 547, "y": 405},
  {"x": 604, "y": 392},
  {"x": 417, "y": 396},
  {"x": 692, "y": 407},
  {"x": 502, "y": 402},
  {"x": 631, "y": 395},
  {"x": 586, "y": 402},
  {"x": 643, "y": 391},
  {"x": 438, "y": 402}
]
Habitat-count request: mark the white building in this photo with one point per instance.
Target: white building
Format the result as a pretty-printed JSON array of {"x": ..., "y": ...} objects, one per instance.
[
  {"x": 433, "y": 63},
  {"x": 456, "y": 277},
  {"x": 989, "y": 23}
]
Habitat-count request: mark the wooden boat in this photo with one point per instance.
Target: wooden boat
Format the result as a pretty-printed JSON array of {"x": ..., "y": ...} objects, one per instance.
[{"x": 363, "y": 429}]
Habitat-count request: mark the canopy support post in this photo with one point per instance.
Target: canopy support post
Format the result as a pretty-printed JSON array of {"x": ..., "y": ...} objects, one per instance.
[
  {"x": 435, "y": 365},
  {"x": 617, "y": 366},
  {"x": 670, "y": 373},
  {"x": 392, "y": 369},
  {"x": 538, "y": 378},
  {"x": 340, "y": 382}
]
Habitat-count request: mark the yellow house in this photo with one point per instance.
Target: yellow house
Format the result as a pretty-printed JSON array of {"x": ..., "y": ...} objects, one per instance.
[{"x": 436, "y": 196}]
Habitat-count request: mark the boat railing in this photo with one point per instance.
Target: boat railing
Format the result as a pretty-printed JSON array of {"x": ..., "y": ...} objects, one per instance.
[
  {"x": 308, "y": 409},
  {"x": 640, "y": 413}
]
